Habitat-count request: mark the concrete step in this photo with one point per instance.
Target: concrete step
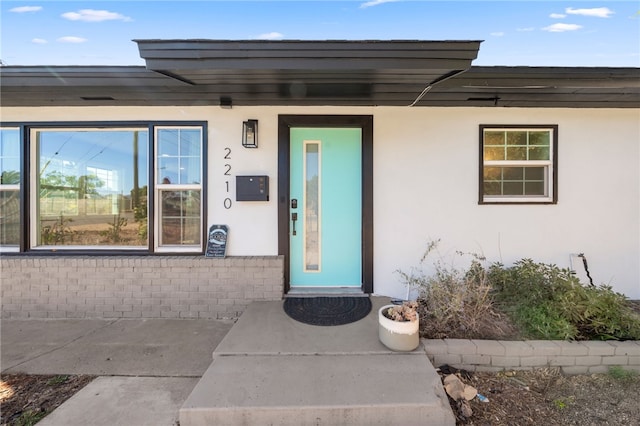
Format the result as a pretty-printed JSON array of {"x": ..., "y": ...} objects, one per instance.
[
  {"x": 321, "y": 389},
  {"x": 273, "y": 370}
]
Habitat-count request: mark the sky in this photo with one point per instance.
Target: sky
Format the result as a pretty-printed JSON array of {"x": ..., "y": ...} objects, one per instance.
[{"x": 529, "y": 33}]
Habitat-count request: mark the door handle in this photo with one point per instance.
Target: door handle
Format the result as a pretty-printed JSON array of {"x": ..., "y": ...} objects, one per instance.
[{"x": 294, "y": 217}]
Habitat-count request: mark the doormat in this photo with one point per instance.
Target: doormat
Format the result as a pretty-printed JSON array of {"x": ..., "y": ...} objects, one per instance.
[{"x": 327, "y": 310}]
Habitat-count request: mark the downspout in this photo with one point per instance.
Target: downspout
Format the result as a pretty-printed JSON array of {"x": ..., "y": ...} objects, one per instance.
[{"x": 445, "y": 77}]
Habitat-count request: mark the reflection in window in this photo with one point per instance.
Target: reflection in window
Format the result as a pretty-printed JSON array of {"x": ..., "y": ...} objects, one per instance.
[
  {"x": 10, "y": 188},
  {"x": 179, "y": 155},
  {"x": 91, "y": 187},
  {"x": 178, "y": 183},
  {"x": 312, "y": 207},
  {"x": 180, "y": 218},
  {"x": 518, "y": 164}
]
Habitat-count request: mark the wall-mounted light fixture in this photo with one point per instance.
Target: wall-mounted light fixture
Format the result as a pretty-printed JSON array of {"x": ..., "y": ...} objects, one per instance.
[{"x": 250, "y": 134}]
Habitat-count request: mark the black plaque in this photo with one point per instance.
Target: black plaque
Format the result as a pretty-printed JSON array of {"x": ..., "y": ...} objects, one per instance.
[{"x": 217, "y": 241}]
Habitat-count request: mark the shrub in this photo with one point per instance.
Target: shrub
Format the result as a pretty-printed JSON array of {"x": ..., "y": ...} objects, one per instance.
[
  {"x": 454, "y": 302},
  {"x": 550, "y": 303},
  {"x": 544, "y": 322},
  {"x": 600, "y": 313},
  {"x": 58, "y": 232}
]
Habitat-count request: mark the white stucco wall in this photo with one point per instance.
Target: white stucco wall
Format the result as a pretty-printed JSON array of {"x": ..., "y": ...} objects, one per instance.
[{"x": 426, "y": 185}]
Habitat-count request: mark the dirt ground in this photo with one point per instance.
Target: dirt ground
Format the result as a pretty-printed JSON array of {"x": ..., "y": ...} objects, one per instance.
[
  {"x": 533, "y": 397},
  {"x": 515, "y": 398},
  {"x": 26, "y": 399}
]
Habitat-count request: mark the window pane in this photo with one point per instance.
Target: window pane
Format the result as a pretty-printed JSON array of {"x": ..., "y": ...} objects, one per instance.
[
  {"x": 168, "y": 170},
  {"x": 538, "y": 153},
  {"x": 514, "y": 181},
  {"x": 312, "y": 207},
  {"x": 190, "y": 142},
  {"x": 493, "y": 138},
  {"x": 534, "y": 188},
  {"x": 180, "y": 217},
  {"x": 534, "y": 173},
  {"x": 190, "y": 170},
  {"x": 179, "y": 152},
  {"x": 9, "y": 156},
  {"x": 513, "y": 173},
  {"x": 168, "y": 143},
  {"x": 516, "y": 137},
  {"x": 517, "y": 153},
  {"x": 492, "y": 188},
  {"x": 492, "y": 153},
  {"x": 540, "y": 138},
  {"x": 512, "y": 188},
  {"x": 92, "y": 187},
  {"x": 9, "y": 187},
  {"x": 9, "y": 217},
  {"x": 492, "y": 173}
]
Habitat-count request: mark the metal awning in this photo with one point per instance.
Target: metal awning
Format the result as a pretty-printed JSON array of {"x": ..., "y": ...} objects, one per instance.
[{"x": 312, "y": 73}]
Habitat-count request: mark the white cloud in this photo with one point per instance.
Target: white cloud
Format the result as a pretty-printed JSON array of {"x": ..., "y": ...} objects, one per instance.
[
  {"x": 560, "y": 28},
  {"x": 497, "y": 34},
  {"x": 598, "y": 12},
  {"x": 71, "y": 39},
  {"x": 39, "y": 41},
  {"x": 557, "y": 15},
  {"x": 375, "y": 3},
  {"x": 270, "y": 36},
  {"x": 23, "y": 9},
  {"x": 526, "y": 29},
  {"x": 91, "y": 15}
]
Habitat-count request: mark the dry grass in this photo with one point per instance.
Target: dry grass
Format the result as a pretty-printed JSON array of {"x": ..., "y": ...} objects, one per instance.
[{"x": 458, "y": 304}]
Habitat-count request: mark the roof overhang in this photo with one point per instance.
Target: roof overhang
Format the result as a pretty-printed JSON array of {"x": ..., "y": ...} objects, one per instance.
[{"x": 310, "y": 73}]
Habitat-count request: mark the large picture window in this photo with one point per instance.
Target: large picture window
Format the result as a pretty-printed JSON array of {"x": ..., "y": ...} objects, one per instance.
[
  {"x": 518, "y": 164},
  {"x": 136, "y": 187},
  {"x": 90, "y": 187}
]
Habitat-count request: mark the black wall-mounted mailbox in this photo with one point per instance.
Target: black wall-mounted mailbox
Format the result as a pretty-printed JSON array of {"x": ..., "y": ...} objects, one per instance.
[{"x": 252, "y": 188}]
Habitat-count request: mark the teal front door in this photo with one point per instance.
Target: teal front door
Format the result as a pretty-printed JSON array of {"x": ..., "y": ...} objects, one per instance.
[{"x": 325, "y": 220}]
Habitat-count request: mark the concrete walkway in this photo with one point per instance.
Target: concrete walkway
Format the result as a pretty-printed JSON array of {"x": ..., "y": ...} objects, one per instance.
[
  {"x": 156, "y": 372},
  {"x": 147, "y": 368}
]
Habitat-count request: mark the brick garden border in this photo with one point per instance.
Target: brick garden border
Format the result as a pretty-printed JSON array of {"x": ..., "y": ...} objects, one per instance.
[{"x": 497, "y": 355}]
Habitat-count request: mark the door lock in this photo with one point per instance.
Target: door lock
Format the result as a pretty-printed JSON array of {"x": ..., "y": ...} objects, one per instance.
[{"x": 294, "y": 203}]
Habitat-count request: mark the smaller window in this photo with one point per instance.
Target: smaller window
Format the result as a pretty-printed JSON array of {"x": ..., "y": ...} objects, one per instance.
[
  {"x": 10, "y": 176},
  {"x": 518, "y": 164},
  {"x": 178, "y": 171}
]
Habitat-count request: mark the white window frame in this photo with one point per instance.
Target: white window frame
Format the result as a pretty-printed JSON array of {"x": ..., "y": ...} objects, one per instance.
[
  {"x": 550, "y": 166},
  {"x": 159, "y": 247},
  {"x": 11, "y": 187}
]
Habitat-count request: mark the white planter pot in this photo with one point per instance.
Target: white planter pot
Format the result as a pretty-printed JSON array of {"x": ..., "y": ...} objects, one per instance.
[{"x": 398, "y": 335}]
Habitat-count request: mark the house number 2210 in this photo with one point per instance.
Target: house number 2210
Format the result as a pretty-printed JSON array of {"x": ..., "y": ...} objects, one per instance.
[{"x": 227, "y": 172}]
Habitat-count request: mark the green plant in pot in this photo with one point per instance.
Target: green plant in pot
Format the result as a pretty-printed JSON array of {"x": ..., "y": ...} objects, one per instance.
[{"x": 398, "y": 326}]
